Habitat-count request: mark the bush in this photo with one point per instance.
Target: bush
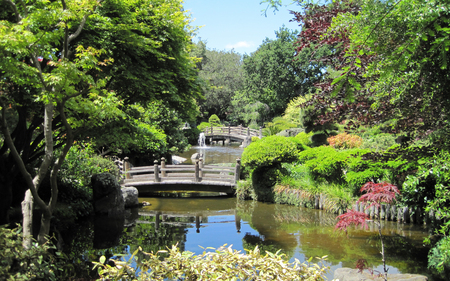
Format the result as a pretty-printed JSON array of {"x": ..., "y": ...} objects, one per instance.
[
  {"x": 271, "y": 151},
  {"x": 82, "y": 162},
  {"x": 325, "y": 164},
  {"x": 222, "y": 264},
  {"x": 74, "y": 180},
  {"x": 305, "y": 138},
  {"x": 345, "y": 141},
  {"x": 36, "y": 263},
  {"x": 214, "y": 120},
  {"x": 203, "y": 125}
]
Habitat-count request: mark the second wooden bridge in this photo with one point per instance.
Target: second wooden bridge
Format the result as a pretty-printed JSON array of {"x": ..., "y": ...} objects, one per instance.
[{"x": 198, "y": 177}]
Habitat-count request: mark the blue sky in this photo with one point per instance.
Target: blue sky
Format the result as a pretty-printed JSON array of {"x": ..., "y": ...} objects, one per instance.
[{"x": 237, "y": 24}]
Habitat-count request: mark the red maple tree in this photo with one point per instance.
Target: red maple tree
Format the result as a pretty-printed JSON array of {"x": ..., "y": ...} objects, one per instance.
[{"x": 375, "y": 194}]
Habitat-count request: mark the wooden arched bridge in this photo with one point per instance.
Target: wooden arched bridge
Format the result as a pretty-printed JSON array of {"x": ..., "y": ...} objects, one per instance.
[
  {"x": 229, "y": 134},
  {"x": 198, "y": 177}
]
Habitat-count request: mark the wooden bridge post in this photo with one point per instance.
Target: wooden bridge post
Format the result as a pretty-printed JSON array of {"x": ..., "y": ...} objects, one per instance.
[
  {"x": 197, "y": 171},
  {"x": 127, "y": 167},
  {"x": 200, "y": 164},
  {"x": 212, "y": 130},
  {"x": 248, "y": 131},
  {"x": 157, "y": 178},
  {"x": 237, "y": 171},
  {"x": 229, "y": 129},
  {"x": 260, "y": 132},
  {"x": 163, "y": 166}
]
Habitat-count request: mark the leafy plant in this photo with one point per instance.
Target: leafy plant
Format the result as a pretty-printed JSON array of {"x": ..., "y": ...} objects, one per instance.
[
  {"x": 222, "y": 264},
  {"x": 326, "y": 164},
  {"x": 305, "y": 138},
  {"x": 203, "y": 125},
  {"x": 375, "y": 194},
  {"x": 271, "y": 151},
  {"x": 345, "y": 141},
  {"x": 214, "y": 121},
  {"x": 35, "y": 263}
]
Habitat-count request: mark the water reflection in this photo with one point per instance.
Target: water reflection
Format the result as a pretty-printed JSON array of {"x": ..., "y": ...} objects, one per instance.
[{"x": 299, "y": 233}]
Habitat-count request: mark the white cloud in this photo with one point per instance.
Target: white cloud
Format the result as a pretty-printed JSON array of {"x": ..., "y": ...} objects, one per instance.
[{"x": 242, "y": 44}]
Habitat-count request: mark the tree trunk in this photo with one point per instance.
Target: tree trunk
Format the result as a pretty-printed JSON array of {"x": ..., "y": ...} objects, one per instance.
[{"x": 27, "y": 217}]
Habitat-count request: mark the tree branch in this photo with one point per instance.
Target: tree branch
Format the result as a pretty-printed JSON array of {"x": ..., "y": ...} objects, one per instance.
[{"x": 16, "y": 11}]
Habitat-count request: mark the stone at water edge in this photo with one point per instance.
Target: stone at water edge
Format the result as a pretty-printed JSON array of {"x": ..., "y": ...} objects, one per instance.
[
  {"x": 130, "y": 196},
  {"x": 177, "y": 160},
  {"x": 350, "y": 274},
  {"x": 108, "y": 198}
]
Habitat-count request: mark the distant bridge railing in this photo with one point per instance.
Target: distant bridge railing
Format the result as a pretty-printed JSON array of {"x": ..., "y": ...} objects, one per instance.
[
  {"x": 233, "y": 131},
  {"x": 182, "y": 174}
]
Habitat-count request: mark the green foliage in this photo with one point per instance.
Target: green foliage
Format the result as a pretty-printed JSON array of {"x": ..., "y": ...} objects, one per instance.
[
  {"x": 245, "y": 190},
  {"x": 294, "y": 113},
  {"x": 325, "y": 164},
  {"x": 305, "y": 138},
  {"x": 203, "y": 125},
  {"x": 272, "y": 77},
  {"x": 36, "y": 263},
  {"x": 214, "y": 121},
  {"x": 439, "y": 256},
  {"x": 222, "y": 264},
  {"x": 221, "y": 72},
  {"x": 254, "y": 139},
  {"x": 429, "y": 187},
  {"x": 271, "y": 151},
  {"x": 277, "y": 125},
  {"x": 81, "y": 163}
]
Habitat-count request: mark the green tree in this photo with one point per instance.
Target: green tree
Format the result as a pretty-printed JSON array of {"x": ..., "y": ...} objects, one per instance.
[
  {"x": 49, "y": 78},
  {"x": 223, "y": 75},
  {"x": 273, "y": 77}
]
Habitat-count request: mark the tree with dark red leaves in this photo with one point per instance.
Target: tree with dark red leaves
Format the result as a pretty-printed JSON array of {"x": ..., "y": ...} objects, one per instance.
[{"x": 374, "y": 195}]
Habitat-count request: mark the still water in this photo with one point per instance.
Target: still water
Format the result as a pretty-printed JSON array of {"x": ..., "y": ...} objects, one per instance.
[{"x": 211, "y": 221}]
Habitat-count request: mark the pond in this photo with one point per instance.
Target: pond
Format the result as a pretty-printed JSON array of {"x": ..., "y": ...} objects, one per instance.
[{"x": 212, "y": 221}]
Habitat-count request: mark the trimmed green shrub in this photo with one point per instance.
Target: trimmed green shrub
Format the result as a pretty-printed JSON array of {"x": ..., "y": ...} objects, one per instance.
[
  {"x": 326, "y": 164},
  {"x": 271, "y": 151},
  {"x": 214, "y": 120},
  {"x": 305, "y": 138},
  {"x": 203, "y": 125}
]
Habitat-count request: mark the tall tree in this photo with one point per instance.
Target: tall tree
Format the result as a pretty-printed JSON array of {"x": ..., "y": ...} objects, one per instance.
[
  {"x": 273, "y": 76},
  {"x": 222, "y": 71},
  {"x": 52, "y": 87}
]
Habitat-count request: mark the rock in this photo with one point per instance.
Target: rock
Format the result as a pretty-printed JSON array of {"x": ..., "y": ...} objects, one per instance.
[
  {"x": 177, "y": 160},
  {"x": 195, "y": 156},
  {"x": 130, "y": 196},
  {"x": 108, "y": 198},
  {"x": 349, "y": 274}
]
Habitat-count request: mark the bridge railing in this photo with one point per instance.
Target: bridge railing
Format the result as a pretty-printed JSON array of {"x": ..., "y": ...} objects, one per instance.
[
  {"x": 236, "y": 130},
  {"x": 194, "y": 173}
]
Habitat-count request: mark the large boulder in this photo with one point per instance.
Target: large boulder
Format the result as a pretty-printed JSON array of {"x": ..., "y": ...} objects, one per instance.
[
  {"x": 130, "y": 196},
  {"x": 349, "y": 274},
  {"x": 108, "y": 198}
]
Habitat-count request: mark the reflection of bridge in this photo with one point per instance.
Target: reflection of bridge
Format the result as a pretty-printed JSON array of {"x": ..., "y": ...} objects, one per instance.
[
  {"x": 198, "y": 177},
  {"x": 189, "y": 218},
  {"x": 230, "y": 134}
]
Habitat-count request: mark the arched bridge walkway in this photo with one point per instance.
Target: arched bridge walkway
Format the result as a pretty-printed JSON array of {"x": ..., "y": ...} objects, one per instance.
[
  {"x": 198, "y": 177},
  {"x": 229, "y": 134}
]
